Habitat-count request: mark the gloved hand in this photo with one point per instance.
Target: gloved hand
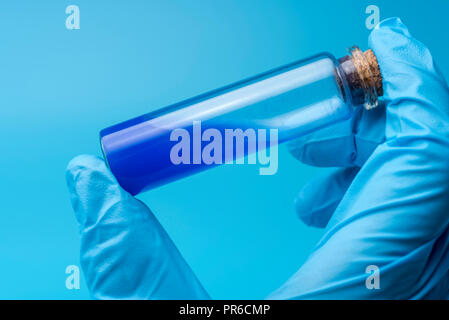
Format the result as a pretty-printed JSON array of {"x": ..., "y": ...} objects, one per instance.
[
  {"x": 125, "y": 252},
  {"x": 387, "y": 207},
  {"x": 388, "y": 204}
]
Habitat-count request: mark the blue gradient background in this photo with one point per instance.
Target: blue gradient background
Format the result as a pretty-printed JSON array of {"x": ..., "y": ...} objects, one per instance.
[{"x": 58, "y": 88}]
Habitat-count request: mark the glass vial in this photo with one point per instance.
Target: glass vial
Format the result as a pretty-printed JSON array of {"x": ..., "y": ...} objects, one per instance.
[{"x": 295, "y": 99}]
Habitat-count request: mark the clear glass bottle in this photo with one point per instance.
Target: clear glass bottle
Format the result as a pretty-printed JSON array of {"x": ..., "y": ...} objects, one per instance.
[{"x": 295, "y": 99}]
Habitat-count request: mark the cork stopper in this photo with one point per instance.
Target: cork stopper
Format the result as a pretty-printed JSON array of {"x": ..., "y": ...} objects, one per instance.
[
  {"x": 362, "y": 74},
  {"x": 375, "y": 75}
]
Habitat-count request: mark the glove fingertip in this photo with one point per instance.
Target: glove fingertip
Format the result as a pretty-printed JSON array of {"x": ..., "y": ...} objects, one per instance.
[
  {"x": 317, "y": 200},
  {"x": 91, "y": 185},
  {"x": 387, "y": 35},
  {"x": 87, "y": 166},
  {"x": 394, "y": 24},
  {"x": 398, "y": 53},
  {"x": 307, "y": 210}
]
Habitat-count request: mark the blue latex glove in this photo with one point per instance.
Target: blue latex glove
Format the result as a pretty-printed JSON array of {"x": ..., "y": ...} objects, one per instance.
[
  {"x": 391, "y": 213},
  {"x": 125, "y": 252},
  {"x": 388, "y": 205}
]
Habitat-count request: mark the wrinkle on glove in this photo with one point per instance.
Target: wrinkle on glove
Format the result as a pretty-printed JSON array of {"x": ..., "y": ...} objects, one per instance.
[
  {"x": 394, "y": 214},
  {"x": 125, "y": 252}
]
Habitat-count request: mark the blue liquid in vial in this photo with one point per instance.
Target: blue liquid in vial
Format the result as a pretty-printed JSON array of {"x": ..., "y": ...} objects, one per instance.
[{"x": 295, "y": 100}]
